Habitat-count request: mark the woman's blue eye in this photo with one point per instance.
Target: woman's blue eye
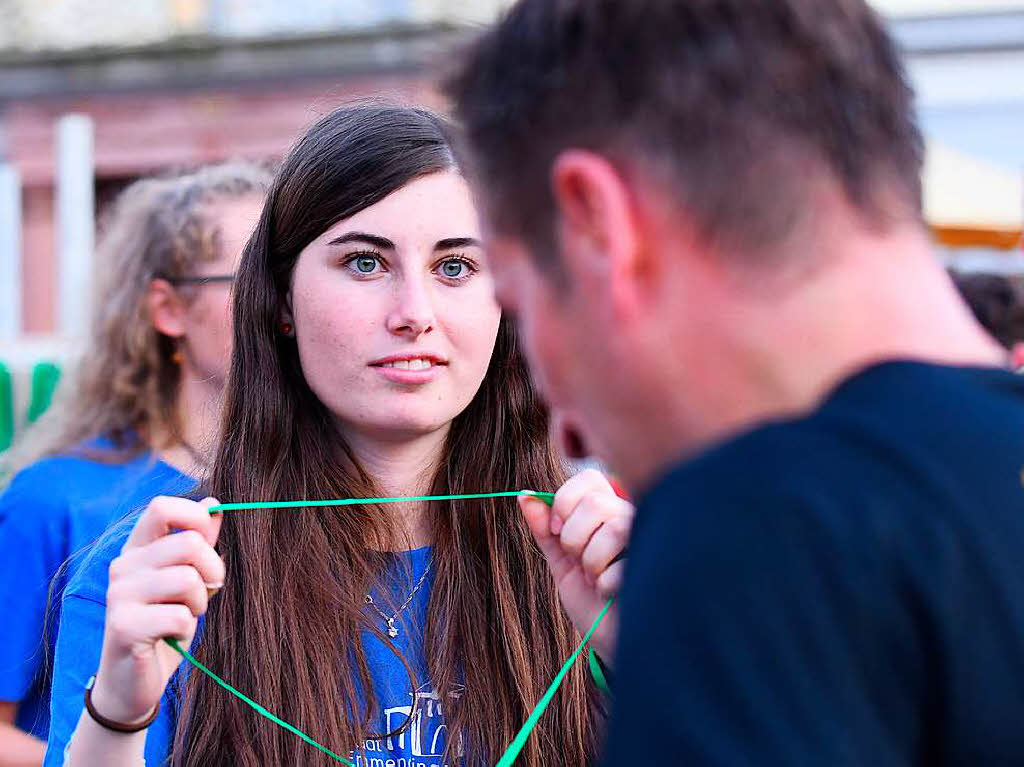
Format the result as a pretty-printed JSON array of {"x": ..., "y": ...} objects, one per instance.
[
  {"x": 453, "y": 269},
  {"x": 366, "y": 264}
]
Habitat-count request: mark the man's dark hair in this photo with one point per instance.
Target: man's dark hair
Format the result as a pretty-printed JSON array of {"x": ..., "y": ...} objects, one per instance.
[
  {"x": 995, "y": 303},
  {"x": 738, "y": 106}
]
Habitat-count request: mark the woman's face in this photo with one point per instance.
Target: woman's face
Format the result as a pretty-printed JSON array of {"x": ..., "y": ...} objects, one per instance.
[{"x": 394, "y": 312}]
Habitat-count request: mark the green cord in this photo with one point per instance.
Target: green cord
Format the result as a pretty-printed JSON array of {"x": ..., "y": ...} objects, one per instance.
[
  {"x": 524, "y": 732},
  {"x": 249, "y": 701},
  {"x": 598, "y": 673},
  {"x": 531, "y": 722},
  {"x": 546, "y": 497}
]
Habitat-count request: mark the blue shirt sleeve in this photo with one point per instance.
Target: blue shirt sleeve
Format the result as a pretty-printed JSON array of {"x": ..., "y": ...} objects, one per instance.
[
  {"x": 79, "y": 645},
  {"x": 33, "y": 545},
  {"x": 51, "y": 515}
]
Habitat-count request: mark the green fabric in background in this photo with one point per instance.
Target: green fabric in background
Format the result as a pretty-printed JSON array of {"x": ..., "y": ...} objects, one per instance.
[
  {"x": 6, "y": 408},
  {"x": 45, "y": 376}
]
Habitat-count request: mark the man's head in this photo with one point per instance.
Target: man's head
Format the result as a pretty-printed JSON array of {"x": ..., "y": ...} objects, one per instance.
[
  {"x": 996, "y": 304},
  {"x": 640, "y": 163}
]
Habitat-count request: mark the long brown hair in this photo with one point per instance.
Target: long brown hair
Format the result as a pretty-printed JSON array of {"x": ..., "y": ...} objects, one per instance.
[
  {"x": 125, "y": 387},
  {"x": 285, "y": 628}
]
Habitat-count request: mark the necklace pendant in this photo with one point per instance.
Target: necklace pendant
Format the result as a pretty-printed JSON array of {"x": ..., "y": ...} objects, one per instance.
[{"x": 392, "y": 631}]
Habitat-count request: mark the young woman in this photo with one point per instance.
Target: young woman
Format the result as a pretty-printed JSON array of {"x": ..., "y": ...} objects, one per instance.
[
  {"x": 134, "y": 420},
  {"x": 370, "y": 359}
]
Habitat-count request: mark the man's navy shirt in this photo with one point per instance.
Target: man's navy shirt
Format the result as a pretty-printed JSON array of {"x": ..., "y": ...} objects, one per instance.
[{"x": 846, "y": 588}]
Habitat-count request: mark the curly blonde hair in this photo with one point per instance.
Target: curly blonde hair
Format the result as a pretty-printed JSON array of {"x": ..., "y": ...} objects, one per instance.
[{"x": 125, "y": 387}]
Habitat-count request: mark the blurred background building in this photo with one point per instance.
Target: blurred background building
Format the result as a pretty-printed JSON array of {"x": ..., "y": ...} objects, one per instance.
[
  {"x": 95, "y": 93},
  {"x": 966, "y": 60},
  {"x": 169, "y": 83}
]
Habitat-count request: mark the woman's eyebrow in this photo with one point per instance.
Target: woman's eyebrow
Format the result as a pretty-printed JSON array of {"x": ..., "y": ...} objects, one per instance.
[
  {"x": 457, "y": 242},
  {"x": 370, "y": 239}
]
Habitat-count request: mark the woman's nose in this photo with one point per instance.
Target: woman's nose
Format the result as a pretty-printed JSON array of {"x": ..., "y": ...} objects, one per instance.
[{"x": 413, "y": 311}]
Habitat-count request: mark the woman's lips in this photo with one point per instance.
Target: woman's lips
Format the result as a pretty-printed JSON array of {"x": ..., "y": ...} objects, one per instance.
[
  {"x": 418, "y": 370},
  {"x": 416, "y": 363}
]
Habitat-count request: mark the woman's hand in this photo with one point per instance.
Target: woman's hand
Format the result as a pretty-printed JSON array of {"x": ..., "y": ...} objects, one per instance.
[
  {"x": 159, "y": 585},
  {"x": 582, "y": 535}
]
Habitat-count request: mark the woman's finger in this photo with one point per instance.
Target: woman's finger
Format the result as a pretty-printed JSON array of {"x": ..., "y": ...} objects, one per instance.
[
  {"x": 180, "y": 584},
  {"x": 184, "y": 548},
  {"x": 572, "y": 492},
  {"x": 165, "y": 514},
  {"x": 605, "y": 545},
  {"x": 609, "y": 582},
  {"x": 132, "y": 625},
  {"x": 589, "y": 514},
  {"x": 216, "y": 519},
  {"x": 537, "y": 515}
]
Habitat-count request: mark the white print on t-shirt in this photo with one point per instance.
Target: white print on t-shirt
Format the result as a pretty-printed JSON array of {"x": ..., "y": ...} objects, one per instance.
[{"x": 420, "y": 744}]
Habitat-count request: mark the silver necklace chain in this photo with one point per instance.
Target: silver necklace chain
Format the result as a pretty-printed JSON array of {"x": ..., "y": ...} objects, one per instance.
[{"x": 390, "y": 621}]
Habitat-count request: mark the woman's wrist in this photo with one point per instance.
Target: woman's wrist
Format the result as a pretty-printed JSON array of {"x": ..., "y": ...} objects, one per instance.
[
  {"x": 104, "y": 709},
  {"x": 91, "y": 744}
]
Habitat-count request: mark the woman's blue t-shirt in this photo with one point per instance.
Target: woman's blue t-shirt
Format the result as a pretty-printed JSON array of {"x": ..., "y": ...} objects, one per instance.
[
  {"x": 52, "y": 510},
  {"x": 421, "y": 744}
]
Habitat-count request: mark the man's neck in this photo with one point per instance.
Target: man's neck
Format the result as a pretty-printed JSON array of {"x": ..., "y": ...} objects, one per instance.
[
  {"x": 879, "y": 299},
  {"x": 775, "y": 354}
]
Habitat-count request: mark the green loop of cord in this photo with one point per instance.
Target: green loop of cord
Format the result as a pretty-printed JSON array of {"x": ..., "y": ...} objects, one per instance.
[
  {"x": 548, "y": 498},
  {"x": 517, "y": 744}
]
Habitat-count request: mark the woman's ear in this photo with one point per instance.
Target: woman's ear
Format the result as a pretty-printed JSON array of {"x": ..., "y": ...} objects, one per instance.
[
  {"x": 286, "y": 321},
  {"x": 166, "y": 308}
]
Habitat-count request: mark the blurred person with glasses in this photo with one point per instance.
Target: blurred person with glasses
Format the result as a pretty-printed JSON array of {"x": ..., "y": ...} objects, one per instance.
[{"x": 136, "y": 419}]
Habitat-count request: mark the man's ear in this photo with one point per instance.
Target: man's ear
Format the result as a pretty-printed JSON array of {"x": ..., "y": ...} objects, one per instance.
[
  {"x": 166, "y": 308},
  {"x": 598, "y": 226}
]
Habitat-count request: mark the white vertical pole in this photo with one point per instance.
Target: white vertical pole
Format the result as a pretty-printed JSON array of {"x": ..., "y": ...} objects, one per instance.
[
  {"x": 75, "y": 223},
  {"x": 10, "y": 252}
]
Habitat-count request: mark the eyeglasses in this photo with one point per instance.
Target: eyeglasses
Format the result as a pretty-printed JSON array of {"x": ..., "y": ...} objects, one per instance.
[{"x": 201, "y": 280}]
